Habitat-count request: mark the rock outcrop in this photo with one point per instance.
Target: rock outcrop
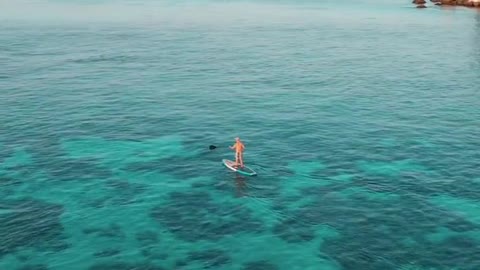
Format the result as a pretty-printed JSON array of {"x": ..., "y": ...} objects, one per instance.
[
  {"x": 420, "y": 3},
  {"x": 466, "y": 3}
]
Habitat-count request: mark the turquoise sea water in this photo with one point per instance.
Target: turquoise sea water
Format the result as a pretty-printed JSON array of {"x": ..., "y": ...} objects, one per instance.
[{"x": 362, "y": 120}]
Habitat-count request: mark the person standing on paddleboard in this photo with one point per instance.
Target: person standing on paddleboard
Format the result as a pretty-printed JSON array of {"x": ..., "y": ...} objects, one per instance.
[{"x": 239, "y": 148}]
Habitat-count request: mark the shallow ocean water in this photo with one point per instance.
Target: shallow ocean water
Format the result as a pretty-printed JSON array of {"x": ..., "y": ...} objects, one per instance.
[{"x": 361, "y": 119}]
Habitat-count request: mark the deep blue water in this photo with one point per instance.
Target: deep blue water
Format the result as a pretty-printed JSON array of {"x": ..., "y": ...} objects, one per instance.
[{"x": 361, "y": 119}]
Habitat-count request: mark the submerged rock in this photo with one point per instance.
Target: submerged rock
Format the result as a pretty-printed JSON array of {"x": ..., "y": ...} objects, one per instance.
[
  {"x": 195, "y": 216},
  {"x": 212, "y": 258},
  {"x": 30, "y": 223},
  {"x": 34, "y": 267},
  {"x": 107, "y": 253},
  {"x": 147, "y": 238},
  {"x": 124, "y": 266},
  {"x": 259, "y": 265},
  {"x": 112, "y": 231}
]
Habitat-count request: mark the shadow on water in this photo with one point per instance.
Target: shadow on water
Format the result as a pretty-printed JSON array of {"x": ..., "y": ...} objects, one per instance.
[{"x": 241, "y": 185}]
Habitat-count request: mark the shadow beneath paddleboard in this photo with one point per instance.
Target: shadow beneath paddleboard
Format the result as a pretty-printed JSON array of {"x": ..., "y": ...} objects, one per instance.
[{"x": 241, "y": 185}]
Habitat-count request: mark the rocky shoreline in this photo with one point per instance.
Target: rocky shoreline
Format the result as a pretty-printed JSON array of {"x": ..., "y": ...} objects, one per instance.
[{"x": 465, "y": 3}]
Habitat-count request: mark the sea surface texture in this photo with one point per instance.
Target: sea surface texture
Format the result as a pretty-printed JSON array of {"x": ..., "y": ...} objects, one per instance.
[{"x": 361, "y": 118}]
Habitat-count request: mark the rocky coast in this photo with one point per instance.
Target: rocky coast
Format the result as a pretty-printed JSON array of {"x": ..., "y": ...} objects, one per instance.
[{"x": 466, "y": 3}]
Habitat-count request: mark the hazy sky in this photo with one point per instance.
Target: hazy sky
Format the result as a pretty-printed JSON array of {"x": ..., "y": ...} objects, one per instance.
[
  {"x": 158, "y": 10},
  {"x": 214, "y": 12},
  {"x": 129, "y": 10}
]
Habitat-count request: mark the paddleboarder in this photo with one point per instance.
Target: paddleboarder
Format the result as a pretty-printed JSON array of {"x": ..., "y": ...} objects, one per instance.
[{"x": 239, "y": 148}]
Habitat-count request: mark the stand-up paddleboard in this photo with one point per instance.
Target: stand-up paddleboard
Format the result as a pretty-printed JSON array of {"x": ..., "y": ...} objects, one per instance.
[{"x": 245, "y": 170}]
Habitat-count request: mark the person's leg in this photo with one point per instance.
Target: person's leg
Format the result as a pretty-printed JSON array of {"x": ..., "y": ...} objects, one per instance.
[
  {"x": 241, "y": 159},
  {"x": 236, "y": 158}
]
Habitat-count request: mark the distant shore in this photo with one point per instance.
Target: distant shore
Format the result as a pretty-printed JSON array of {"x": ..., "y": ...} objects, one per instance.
[{"x": 465, "y": 3}]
